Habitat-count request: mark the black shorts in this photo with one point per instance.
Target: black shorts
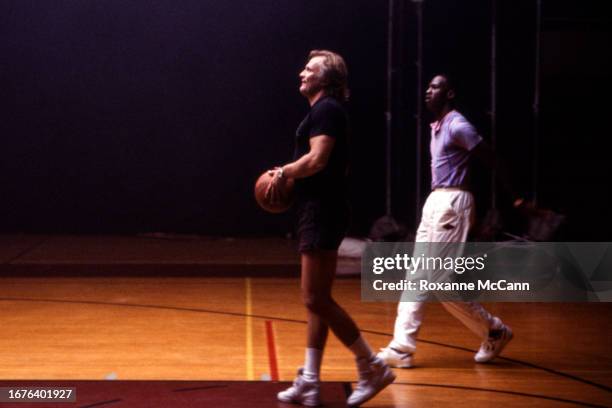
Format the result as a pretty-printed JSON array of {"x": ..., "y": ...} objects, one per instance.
[{"x": 321, "y": 226}]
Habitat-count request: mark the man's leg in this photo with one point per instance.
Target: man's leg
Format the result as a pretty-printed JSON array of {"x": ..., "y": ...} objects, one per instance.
[
  {"x": 494, "y": 334},
  {"x": 316, "y": 292},
  {"x": 473, "y": 316},
  {"x": 400, "y": 350},
  {"x": 318, "y": 272},
  {"x": 407, "y": 325},
  {"x": 409, "y": 314}
]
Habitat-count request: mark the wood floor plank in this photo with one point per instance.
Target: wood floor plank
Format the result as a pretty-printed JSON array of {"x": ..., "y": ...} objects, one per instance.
[{"x": 194, "y": 329}]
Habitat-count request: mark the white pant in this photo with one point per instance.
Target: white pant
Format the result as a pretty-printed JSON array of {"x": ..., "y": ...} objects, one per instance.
[{"x": 447, "y": 217}]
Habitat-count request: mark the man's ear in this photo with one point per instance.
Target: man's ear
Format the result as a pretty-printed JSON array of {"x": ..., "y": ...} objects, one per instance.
[
  {"x": 324, "y": 79},
  {"x": 450, "y": 94}
]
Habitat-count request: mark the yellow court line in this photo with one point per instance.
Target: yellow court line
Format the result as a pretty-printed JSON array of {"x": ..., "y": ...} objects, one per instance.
[{"x": 250, "y": 371}]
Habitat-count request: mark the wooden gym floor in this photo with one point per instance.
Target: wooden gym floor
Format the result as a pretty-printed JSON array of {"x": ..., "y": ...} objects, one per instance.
[{"x": 65, "y": 316}]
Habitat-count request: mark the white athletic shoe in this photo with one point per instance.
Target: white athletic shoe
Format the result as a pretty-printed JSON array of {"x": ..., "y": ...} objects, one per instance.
[
  {"x": 302, "y": 391},
  {"x": 494, "y": 344},
  {"x": 374, "y": 376},
  {"x": 395, "y": 358}
]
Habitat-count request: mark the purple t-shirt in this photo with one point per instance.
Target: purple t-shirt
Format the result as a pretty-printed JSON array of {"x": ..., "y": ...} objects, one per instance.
[{"x": 452, "y": 140}]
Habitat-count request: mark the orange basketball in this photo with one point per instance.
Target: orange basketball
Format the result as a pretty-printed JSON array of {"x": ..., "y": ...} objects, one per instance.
[{"x": 286, "y": 196}]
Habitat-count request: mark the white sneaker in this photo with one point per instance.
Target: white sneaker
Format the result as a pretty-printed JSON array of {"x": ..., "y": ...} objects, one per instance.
[
  {"x": 494, "y": 344},
  {"x": 374, "y": 376},
  {"x": 395, "y": 358},
  {"x": 302, "y": 391}
]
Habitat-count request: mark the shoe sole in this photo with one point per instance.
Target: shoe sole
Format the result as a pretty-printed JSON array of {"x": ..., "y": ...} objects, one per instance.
[
  {"x": 392, "y": 363},
  {"x": 387, "y": 380},
  {"x": 296, "y": 401}
]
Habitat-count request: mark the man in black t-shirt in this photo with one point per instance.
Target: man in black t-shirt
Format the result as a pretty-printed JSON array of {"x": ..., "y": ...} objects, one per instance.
[
  {"x": 321, "y": 198},
  {"x": 319, "y": 169},
  {"x": 326, "y": 117}
]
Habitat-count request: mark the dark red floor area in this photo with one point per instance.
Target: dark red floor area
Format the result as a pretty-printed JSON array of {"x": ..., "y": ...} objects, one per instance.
[{"x": 170, "y": 394}]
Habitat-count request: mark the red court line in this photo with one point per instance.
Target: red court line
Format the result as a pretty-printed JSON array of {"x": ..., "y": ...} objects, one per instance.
[{"x": 271, "y": 351}]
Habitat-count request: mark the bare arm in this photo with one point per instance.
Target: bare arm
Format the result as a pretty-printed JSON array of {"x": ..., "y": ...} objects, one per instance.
[{"x": 311, "y": 163}]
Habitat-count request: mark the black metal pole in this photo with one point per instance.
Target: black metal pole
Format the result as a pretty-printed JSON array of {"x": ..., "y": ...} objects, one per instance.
[
  {"x": 419, "y": 109},
  {"x": 536, "y": 103},
  {"x": 388, "y": 115},
  {"x": 493, "y": 102}
]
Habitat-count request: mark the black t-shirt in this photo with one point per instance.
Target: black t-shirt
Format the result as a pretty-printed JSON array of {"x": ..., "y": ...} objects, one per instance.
[{"x": 326, "y": 117}]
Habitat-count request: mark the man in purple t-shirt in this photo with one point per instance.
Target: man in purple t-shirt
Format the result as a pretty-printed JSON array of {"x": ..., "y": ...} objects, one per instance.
[
  {"x": 447, "y": 216},
  {"x": 452, "y": 140}
]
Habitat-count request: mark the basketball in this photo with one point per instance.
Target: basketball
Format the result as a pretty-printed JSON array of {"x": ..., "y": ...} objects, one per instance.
[{"x": 286, "y": 194}]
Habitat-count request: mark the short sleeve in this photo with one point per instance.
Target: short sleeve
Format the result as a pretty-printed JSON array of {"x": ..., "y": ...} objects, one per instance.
[
  {"x": 464, "y": 134},
  {"x": 327, "y": 119}
]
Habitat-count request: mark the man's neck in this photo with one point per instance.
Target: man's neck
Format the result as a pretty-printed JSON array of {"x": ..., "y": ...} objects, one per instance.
[
  {"x": 314, "y": 98},
  {"x": 442, "y": 113}
]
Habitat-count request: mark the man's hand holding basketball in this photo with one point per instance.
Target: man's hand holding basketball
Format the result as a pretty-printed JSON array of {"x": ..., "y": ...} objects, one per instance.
[{"x": 277, "y": 182}]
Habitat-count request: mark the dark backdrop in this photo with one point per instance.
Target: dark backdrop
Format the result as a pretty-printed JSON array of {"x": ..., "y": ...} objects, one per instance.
[
  {"x": 560, "y": 156},
  {"x": 131, "y": 116},
  {"x": 144, "y": 116}
]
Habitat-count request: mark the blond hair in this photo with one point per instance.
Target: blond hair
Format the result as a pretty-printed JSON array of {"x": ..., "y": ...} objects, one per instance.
[{"x": 334, "y": 74}]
